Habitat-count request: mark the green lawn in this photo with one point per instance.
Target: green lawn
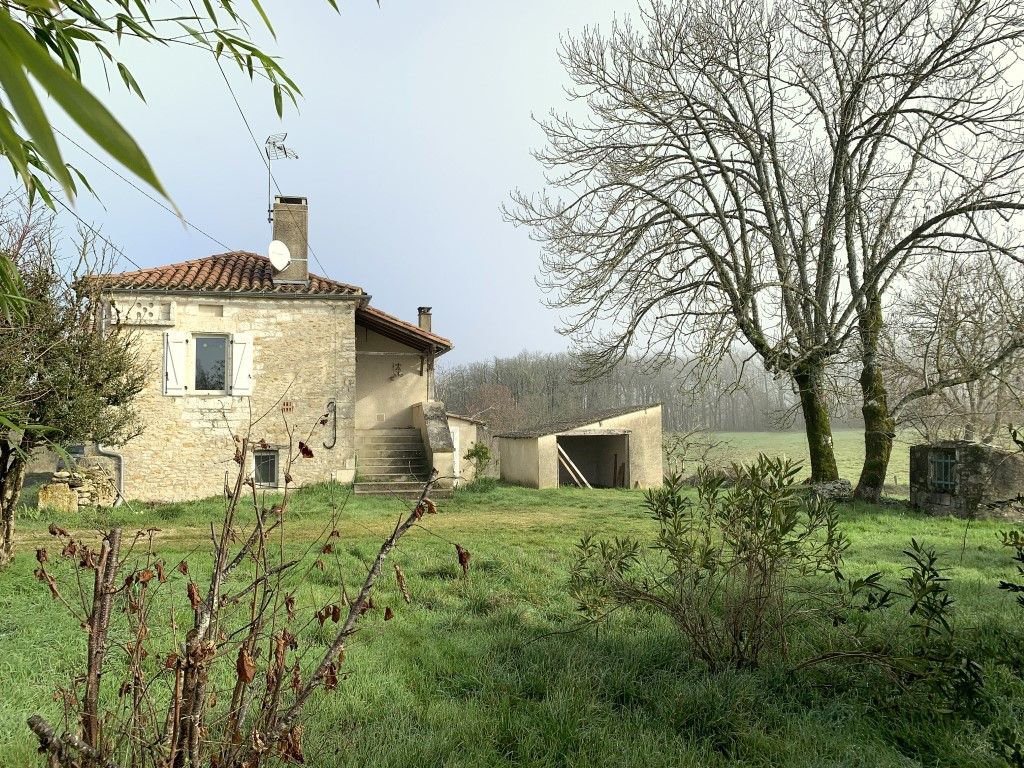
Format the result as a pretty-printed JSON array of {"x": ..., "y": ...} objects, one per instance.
[
  {"x": 849, "y": 448},
  {"x": 460, "y": 677}
]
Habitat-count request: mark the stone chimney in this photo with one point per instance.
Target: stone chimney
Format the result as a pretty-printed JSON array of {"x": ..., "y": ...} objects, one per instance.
[
  {"x": 291, "y": 227},
  {"x": 424, "y": 313}
]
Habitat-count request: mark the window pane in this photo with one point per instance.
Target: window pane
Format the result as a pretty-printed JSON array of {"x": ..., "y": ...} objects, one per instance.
[
  {"x": 266, "y": 468},
  {"x": 211, "y": 363}
]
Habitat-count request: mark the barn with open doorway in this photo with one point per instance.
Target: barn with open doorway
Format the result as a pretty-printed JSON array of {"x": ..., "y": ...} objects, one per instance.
[{"x": 619, "y": 448}]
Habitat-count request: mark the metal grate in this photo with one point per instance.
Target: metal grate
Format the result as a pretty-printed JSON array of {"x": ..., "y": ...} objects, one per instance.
[{"x": 942, "y": 468}]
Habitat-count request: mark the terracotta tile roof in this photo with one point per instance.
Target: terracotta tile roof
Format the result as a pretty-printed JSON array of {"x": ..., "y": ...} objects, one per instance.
[
  {"x": 400, "y": 330},
  {"x": 237, "y": 271}
]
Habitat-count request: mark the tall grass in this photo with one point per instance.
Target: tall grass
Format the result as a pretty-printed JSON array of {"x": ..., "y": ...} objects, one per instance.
[{"x": 489, "y": 671}]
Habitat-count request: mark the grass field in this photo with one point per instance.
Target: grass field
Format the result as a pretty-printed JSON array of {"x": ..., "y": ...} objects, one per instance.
[
  {"x": 468, "y": 675},
  {"x": 848, "y": 444}
]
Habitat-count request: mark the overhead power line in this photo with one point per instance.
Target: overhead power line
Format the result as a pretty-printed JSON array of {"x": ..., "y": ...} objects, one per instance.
[
  {"x": 252, "y": 134},
  {"x": 143, "y": 192},
  {"x": 96, "y": 232}
]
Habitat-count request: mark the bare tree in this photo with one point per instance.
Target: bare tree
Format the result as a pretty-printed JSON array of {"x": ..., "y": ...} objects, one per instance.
[
  {"x": 761, "y": 172},
  {"x": 64, "y": 378},
  {"x": 954, "y": 357}
]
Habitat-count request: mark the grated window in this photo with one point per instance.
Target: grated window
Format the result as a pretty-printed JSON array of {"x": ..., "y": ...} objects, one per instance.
[{"x": 942, "y": 466}]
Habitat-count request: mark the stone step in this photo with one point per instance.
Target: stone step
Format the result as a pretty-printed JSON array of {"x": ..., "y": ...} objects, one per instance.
[
  {"x": 391, "y": 477},
  {"x": 368, "y": 454},
  {"x": 404, "y": 490},
  {"x": 416, "y": 468},
  {"x": 388, "y": 447}
]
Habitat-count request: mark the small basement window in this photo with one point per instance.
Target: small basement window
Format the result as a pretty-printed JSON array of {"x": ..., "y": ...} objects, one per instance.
[
  {"x": 211, "y": 363},
  {"x": 265, "y": 473},
  {"x": 941, "y": 471}
]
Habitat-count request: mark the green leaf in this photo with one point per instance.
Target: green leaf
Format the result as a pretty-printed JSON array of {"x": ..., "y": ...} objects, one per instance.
[
  {"x": 129, "y": 80},
  {"x": 277, "y": 100},
  {"x": 266, "y": 19},
  {"x": 79, "y": 104},
  {"x": 13, "y": 145},
  {"x": 23, "y": 100}
]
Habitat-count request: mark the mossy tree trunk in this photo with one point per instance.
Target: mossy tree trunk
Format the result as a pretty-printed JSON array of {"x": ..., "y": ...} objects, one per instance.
[
  {"x": 810, "y": 381},
  {"x": 879, "y": 424}
]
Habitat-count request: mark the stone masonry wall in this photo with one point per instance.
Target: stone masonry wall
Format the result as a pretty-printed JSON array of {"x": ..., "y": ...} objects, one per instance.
[{"x": 303, "y": 356}]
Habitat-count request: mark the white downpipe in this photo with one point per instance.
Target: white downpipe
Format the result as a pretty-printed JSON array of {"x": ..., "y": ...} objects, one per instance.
[{"x": 110, "y": 453}]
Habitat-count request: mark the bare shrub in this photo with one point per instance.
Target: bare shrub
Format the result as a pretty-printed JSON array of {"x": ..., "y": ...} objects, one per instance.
[
  {"x": 733, "y": 568},
  {"x": 228, "y": 691}
]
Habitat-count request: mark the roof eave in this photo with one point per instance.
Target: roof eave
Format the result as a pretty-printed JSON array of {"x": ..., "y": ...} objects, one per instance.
[{"x": 237, "y": 294}]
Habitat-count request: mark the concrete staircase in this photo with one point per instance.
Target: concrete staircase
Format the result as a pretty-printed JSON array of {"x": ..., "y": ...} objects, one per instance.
[{"x": 392, "y": 462}]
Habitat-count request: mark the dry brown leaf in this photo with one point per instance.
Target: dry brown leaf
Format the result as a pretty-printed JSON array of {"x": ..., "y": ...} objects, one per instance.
[
  {"x": 402, "y": 584},
  {"x": 463, "y": 559},
  {"x": 245, "y": 667},
  {"x": 193, "y": 595},
  {"x": 291, "y": 747}
]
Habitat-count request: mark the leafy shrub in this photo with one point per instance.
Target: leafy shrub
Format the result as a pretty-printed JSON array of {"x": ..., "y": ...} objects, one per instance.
[
  {"x": 481, "y": 456},
  {"x": 735, "y": 569}
]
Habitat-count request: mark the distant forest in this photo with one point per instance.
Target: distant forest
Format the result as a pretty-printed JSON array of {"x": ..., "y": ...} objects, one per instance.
[{"x": 536, "y": 388}]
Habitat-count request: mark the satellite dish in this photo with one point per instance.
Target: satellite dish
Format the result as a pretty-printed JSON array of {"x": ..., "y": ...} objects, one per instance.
[{"x": 280, "y": 256}]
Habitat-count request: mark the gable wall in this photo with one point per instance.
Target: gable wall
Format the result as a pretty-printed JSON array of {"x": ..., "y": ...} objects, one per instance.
[
  {"x": 303, "y": 354},
  {"x": 384, "y": 399}
]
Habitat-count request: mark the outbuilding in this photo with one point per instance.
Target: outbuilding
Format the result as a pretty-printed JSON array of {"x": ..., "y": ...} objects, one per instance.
[
  {"x": 966, "y": 479},
  {"x": 618, "y": 448}
]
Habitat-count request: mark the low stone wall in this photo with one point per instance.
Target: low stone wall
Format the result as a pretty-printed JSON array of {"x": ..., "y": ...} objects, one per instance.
[{"x": 86, "y": 485}]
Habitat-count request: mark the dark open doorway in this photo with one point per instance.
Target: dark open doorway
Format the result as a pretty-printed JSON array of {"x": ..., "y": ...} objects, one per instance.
[{"x": 598, "y": 461}]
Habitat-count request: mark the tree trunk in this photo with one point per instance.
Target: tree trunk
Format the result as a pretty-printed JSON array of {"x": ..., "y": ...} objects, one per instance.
[
  {"x": 13, "y": 465},
  {"x": 879, "y": 425},
  {"x": 810, "y": 381}
]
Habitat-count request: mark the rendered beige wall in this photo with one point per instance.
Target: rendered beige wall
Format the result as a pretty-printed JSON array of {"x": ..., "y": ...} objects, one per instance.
[
  {"x": 430, "y": 419},
  {"x": 378, "y": 391},
  {"x": 467, "y": 431},
  {"x": 645, "y": 445},
  {"x": 303, "y": 355},
  {"x": 518, "y": 459}
]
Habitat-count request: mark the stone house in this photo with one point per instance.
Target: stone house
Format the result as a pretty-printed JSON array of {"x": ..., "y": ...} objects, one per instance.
[
  {"x": 965, "y": 479},
  {"x": 237, "y": 347}
]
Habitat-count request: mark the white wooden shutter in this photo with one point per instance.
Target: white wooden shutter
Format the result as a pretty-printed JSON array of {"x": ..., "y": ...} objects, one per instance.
[
  {"x": 175, "y": 354},
  {"x": 241, "y": 364}
]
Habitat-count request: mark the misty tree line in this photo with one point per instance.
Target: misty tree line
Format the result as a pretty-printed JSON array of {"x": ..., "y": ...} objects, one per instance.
[{"x": 535, "y": 388}]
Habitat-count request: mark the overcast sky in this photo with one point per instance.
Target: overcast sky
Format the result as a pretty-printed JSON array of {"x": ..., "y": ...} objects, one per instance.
[{"x": 414, "y": 126}]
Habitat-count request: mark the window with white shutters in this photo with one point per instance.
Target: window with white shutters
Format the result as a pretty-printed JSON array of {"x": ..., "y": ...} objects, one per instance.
[
  {"x": 241, "y": 364},
  {"x": 175, "y": 357}
]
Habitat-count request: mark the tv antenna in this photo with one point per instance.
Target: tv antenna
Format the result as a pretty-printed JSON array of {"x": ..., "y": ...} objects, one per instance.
[{"x": 275, "y": 150}]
